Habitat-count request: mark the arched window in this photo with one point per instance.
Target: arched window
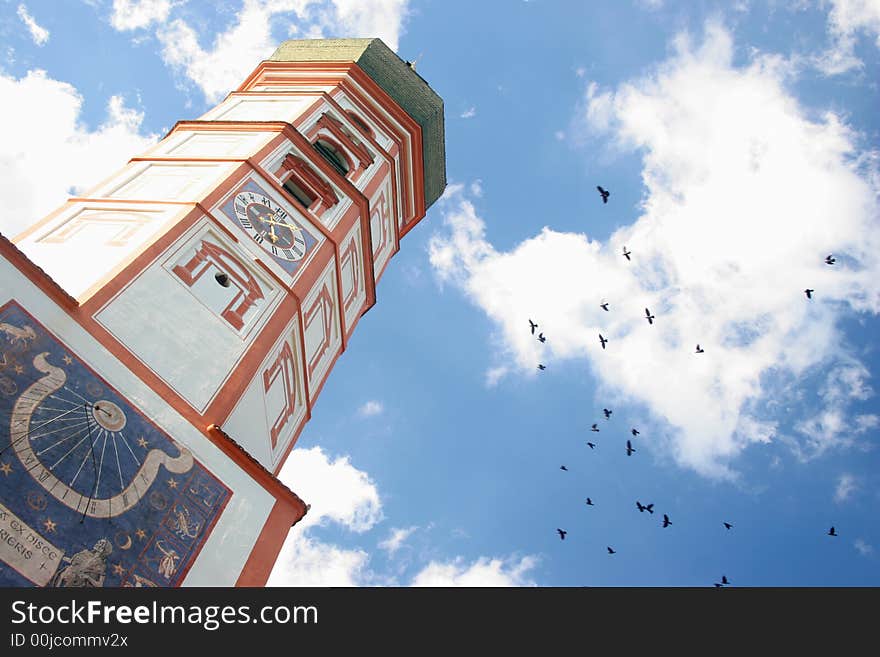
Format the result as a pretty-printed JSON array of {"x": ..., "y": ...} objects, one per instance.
[
  {"x": 305, "y": 184},
  {"x": 359, "y": 122},
  {"x": 333, "y": 156}
]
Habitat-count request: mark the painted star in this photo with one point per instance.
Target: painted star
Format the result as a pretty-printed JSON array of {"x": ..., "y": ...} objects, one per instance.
[
  {"x": 142, "y": 442},
  {"x": 6, "y": 469},
  {"x": 118, "y": 569},
  {"x": 172, "y": 483},
  {"x": 67, "y": 360},
  {"x": 141, "y": 534},
  {"x": 49, "y": 525}
]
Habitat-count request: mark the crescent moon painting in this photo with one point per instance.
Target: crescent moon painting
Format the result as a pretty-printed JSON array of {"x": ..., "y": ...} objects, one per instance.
[{"x": 83, "y": 470}]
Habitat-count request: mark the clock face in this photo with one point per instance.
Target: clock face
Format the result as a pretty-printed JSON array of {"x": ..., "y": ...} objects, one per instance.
[
  {"x": 86, "y": 477},
  {"x": 270, "y": 226}
]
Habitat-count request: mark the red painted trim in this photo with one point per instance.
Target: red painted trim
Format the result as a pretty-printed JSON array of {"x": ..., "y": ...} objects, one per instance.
[{"x": 265, "y": 552}]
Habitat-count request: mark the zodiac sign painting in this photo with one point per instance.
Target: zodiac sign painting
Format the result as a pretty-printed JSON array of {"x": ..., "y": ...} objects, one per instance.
[{"x": 92, "y": 492}]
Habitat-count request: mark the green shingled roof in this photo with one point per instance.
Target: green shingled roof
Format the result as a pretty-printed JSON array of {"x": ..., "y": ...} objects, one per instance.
[{"x": 398, "y": 80}]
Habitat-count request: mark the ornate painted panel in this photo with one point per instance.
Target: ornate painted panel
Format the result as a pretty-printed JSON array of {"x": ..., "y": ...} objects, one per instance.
[{"x": 92, "y": 492}]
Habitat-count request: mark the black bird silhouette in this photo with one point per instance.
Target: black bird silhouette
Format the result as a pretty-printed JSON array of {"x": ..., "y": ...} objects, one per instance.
[
  {"x": 595, "y": 427},
  {"x": 649, "y": 316},
  {"x": 626, "y": 253},
  {"x": 645, "y": 507},
  {"x": 541, "y": 337},
  {"x": 830, "y": 260},
  {"x": 602, "y": 340},
  {"x": 610, "y": 551},
  {"x": 591, "y": 445},
  {"x": 542, "y": 367},
  {"x": 699, "y": 349},
  {"x": 649, "y": 508},
  {"x": 604, "y": 194},
  {"x": 590, "y": 502},
  {"x": 831, "y": 532},
  {"x": 607, "y": 413},
  {"x": 635, "y": 432},
  {"x": 562, "y": 533},
  {"x": 724, "y": 579},
  {"x": 809, "y": 293},
  {"x": 629, "y": 448},
  {"x": 718, "y": 586},
  {"x": 666, "y": 522},
  {"x": 728, "y": 525},
  {"x": 533, "y": 325},
  {"x": 562, "y": 467},
  {"x": 604, "y": 306},
  {"x": 640, "y": 506}
]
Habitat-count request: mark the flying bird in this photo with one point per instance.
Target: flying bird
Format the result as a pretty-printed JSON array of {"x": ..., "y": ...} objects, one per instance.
[
  {"x": 666, "y": 522},
  {"x": 591, "y": 445},
  {"x": 724, "y": 579},
  {"x": 542, "y": 367},
  {"x": 640, "y": 506},
  {"x": 602, "y": 340},
  {"x": 626, "y": 253},
  {"x": 809, "y": 293},
  {"x": 830, "y": 260},
  {"x": 562, "y": 467},
  {"x": 635, "y": 432},
  {"x": 699, "y": 349},
  {"x": 831, "y": 532},
  {"x": 604, "y": 306},
  {"x": 610, "y": 551},
  {"x": 590, "y": 502},
  {"x": 541, "y": 337},
  {"x": 649, "y": 316},
  {"x": 607, "y": 413},
  {"x": 562, "y": 534},
  {"x": 604, "y": 194},
  {"x": 533, "y": 325},
  {"x": 728, "y": 525},
  {"x": 649, "y": 508},
  {"x": 595, "y": 427},
  {"x": 629, "y": 448}
]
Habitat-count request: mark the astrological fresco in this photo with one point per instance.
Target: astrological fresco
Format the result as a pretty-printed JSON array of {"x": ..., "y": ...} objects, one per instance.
[{"x": 92, "y": 493}]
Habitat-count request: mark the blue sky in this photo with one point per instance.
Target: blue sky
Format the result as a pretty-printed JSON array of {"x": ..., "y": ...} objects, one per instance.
[{"x": 740, "y": 145}]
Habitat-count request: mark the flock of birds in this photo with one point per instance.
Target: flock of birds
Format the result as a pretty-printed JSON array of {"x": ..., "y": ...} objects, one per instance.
[{"x": 666, "y": 522}]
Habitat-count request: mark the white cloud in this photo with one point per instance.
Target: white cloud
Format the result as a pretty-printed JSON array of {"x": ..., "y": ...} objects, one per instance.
[
  {"x": 846, "y": 486},
  {"x": 484, "y": 571},
  {"x": 739, "y": 187},
  {"x": 39, "y": 34},
  {"x": 846, "y": 20},
  {"x": 136, "y": 14},
  {"x": 339, "y": 493},
  {"x": 469, "y": 113},
  {"x": 396, "y": 539},
  {"x": 495, "y": 374},
  {"x": 235, "y": 52},
  {"x": 863, "y": 547},
  {"x": 477, "y": 188},
  {"x": 45, "y": 150},
  {"x": 337, "y": 490},
  {"x": 371, "y": 408},
  {"x": 305, "y": 561}
]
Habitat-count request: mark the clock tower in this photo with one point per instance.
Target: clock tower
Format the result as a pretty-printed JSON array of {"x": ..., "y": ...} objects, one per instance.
[{"x": 164, "y": 336}]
